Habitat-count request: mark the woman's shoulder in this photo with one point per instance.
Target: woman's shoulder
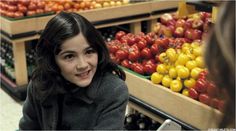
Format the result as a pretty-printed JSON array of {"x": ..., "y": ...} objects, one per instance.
[
  {"x": 112, "y": 85},
  {"x": 112, "y": 80}
]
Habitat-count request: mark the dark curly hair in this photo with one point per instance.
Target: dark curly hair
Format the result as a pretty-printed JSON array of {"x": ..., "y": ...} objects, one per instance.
[{"x": 47, "y": 77}]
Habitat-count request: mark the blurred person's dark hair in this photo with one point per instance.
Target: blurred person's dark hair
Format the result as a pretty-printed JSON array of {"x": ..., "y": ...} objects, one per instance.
[{"x": 220, "y": 59}]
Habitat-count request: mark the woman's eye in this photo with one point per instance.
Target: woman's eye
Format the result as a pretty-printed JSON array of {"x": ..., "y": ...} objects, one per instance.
[
  {"x": 68, "y": 56},
  {"x": 90, "y": 51}
]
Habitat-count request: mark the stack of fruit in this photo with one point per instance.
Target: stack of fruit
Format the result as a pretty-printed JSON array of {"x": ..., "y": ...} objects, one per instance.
[
  {"x": 79, "y": 5},
  {"x": 206, "y": 92},
  {"x": 139, "y": 52},
  {"x": 21, "y": 8},
  {"x": 182, "y": 70},
  {"x": 192, "y": 27}
]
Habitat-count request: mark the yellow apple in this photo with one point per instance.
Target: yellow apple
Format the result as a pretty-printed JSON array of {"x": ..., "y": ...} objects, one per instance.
[
  {"x": 156, "y": 78},
  {"x": 189, "y": 83},
  {"x": 166, "y": 80},
  {"x": 176, "y": 85}
]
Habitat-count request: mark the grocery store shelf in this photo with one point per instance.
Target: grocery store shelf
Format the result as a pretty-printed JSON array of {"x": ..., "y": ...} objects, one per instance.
[
  {"x": 103, "y": 17},
  {"x": 202, "y": 6},
  {"x": 174, "y": 104},
  {"x": 17, "y": 92},
  {"x": 144, "y": 107}
]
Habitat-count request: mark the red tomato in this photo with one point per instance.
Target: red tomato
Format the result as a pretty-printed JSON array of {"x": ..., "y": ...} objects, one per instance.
[
  {"x": 154, "y": 49},
  {"x": 149, "y": 40},
  {"x": 193, "y": 93},
  {"x": 134, "y": 55},
  {"x": 121, "y": 54},
  {"x": 138, "y": 38},
  {"x": 139, "y": 69},
  {"x": 119, "y": 35},
  {"x": 141, "y": 45},
  {"x": 146, "y": 53},
  {"x": 131, "y": 41},
  {"x": 201, "y": 85},
  {"x": 203, "y": 74},
  {"x": 113, "y": 48},
  {"x": 149, "y": 68},
  {"x": 126, "y": 63},
  {"x": 22, "y": 8},
  {"x": 18, "y": 14},
  {"x": 135, "y": 47},
  {"x": 204, "y": 98}
]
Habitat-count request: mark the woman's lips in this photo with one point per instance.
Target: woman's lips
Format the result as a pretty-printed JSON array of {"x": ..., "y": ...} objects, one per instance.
[{"x": 83, "y": 75}]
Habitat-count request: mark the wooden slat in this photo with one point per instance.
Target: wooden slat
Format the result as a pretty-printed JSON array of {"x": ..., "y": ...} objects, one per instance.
[
  {"x": 163, "y": 5},
  {"x": 20, "y": 63},
  {"x": 18, "y": 26},
  {"x": 179, "y": 106}
]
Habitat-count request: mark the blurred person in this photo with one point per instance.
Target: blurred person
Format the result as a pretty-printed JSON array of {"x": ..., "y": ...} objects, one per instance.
[
  {"x": 75, "y": 85},
  {"x": 220, "y": 59}
]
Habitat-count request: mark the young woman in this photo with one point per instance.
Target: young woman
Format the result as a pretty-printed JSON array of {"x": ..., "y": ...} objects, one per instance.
[
  {"x": 75, "y": 84},
  {"x": 220, "y": 59}
]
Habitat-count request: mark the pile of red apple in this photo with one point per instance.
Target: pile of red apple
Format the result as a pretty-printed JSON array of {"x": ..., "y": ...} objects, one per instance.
[
  {"x": 207, "y": 92},
  {"x": 21, "y": 8},
  {"x": 192, "y": 27},
  {"x": 140, "y": 52}
]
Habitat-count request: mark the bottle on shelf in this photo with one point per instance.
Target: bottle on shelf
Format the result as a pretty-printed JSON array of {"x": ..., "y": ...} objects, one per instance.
[
  {"x": 143, "y": 122},
  {"x": 130, "y": 121},
  {"x": 154, "y": 125}
]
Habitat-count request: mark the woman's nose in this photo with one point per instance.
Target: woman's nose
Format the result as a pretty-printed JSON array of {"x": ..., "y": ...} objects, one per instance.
[{"x": 82, "y": 64}]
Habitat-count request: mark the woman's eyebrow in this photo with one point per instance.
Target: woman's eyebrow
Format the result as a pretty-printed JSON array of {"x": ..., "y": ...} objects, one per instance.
[{"x": 66, "y": 51}]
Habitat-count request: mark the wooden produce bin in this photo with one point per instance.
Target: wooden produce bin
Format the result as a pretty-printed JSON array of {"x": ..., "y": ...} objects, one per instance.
[
  {"x": 15, "y": 27},
  {"x": 177, "y": 105}
]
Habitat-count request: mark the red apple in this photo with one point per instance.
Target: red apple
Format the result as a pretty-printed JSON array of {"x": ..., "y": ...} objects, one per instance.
[
  {"x": 180, "y": 23},
  {"x": 165, "y": 18},
  {"x": 179, "y": 32},
  {"x": 197, "y": 24}
]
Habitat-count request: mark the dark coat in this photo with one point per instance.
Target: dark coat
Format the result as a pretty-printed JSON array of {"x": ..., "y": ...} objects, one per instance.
[{"x": 100, "y": 106}]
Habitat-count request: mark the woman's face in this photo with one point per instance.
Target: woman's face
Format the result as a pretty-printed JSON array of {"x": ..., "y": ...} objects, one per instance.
[{"x": 77, "y": 61}]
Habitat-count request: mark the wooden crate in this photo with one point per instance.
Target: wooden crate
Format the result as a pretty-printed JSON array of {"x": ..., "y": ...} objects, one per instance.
[
  {"x": 177, "y": 105},
  {"x": 18, "y": 26}
]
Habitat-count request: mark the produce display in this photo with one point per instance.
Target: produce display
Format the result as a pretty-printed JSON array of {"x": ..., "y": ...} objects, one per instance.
[
  {"x": 172, "y": 55},
  {"x": 192, "y": 27},
  {"x": 21, "y": 8}
]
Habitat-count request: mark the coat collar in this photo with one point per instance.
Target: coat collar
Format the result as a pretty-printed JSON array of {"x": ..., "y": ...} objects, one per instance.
[{"x": 87, "y": 94}]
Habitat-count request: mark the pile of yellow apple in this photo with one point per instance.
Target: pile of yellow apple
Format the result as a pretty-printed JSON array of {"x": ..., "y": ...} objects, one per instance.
[{"x": 179, "y": 68}]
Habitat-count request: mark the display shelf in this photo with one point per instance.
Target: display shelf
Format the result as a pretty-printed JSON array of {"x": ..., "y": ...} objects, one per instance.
[
  {"x": 155, "y": 113},
  {"x": 103, "y": 17},
  {"x": 17, "y": 92},
  {"x": 177, "y": 105}
]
